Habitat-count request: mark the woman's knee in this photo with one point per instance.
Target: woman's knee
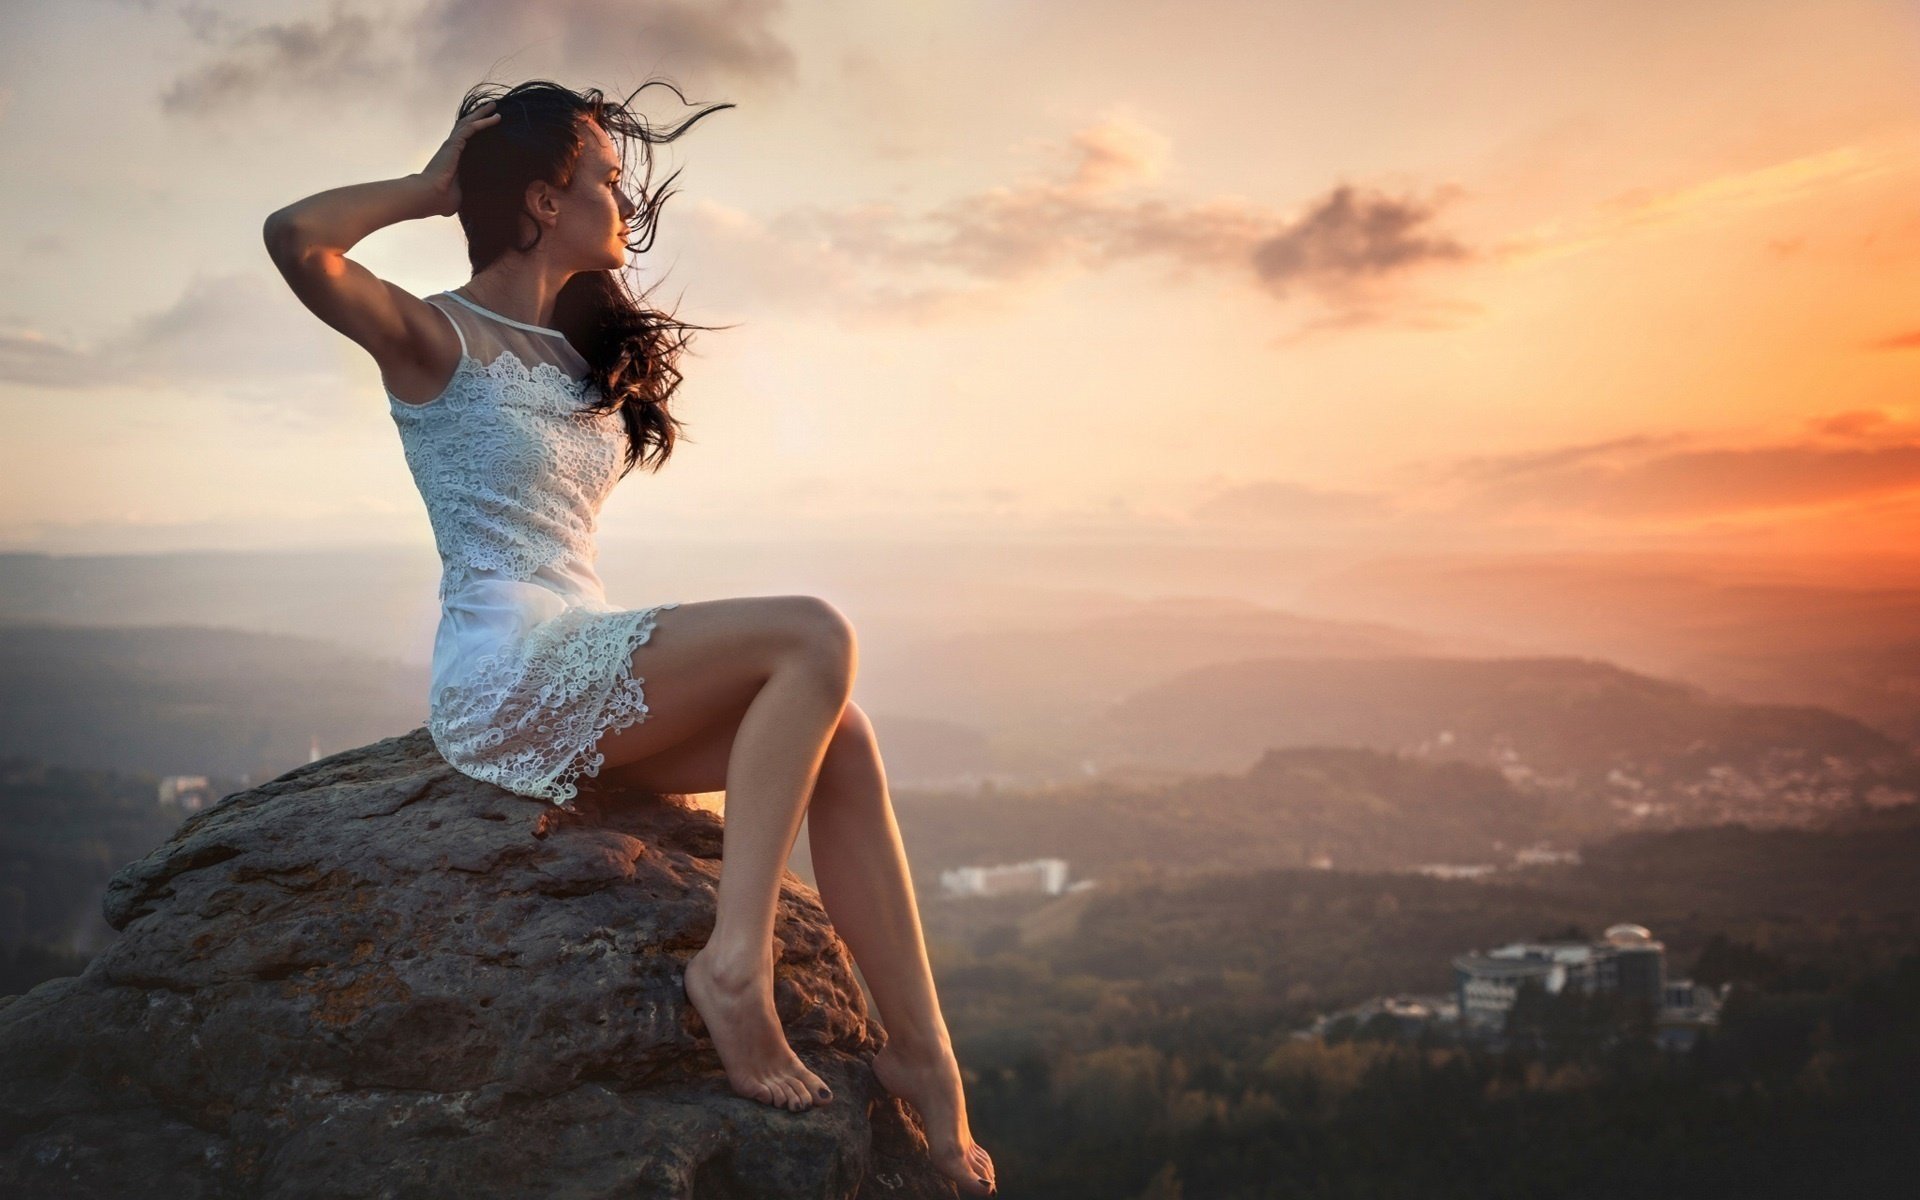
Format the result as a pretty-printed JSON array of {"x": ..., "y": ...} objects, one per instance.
[
  {"x": 852, "y": 760},
  {"x": 854, "y": 734},
  {"x": 822, "y": 636}
]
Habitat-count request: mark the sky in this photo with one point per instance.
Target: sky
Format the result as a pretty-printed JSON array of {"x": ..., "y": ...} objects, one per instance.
[{"x": 1522, "y": 276}]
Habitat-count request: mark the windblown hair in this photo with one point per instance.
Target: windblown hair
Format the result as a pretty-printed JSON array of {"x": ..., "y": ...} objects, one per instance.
[{"x": 630, "y": 349}]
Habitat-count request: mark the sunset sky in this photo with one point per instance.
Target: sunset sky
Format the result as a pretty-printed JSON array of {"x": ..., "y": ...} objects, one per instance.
[{"x": 1527, "y": 275}]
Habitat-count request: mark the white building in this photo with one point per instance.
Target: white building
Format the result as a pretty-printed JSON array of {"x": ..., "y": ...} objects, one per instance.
[
  {"x": 1543, "y": 855},
  {"x": 1455, "y": 870},
  {"x": 1047, "y": 876},
  {"x": 188, "y": 792}
]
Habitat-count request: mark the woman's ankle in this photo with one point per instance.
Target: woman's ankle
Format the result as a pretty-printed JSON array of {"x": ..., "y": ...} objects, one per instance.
[
  {"x": 732, "y": 966},
  {"x": 920, "y": 1047}
]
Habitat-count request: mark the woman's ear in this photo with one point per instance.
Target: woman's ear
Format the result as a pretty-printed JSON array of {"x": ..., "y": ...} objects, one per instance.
[{"x": 543, "y": 202}]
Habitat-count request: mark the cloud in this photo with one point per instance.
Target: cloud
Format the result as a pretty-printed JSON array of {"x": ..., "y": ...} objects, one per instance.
[
  {"x": 30, "y": 357},
  {"x": 1708, "y": 200},
  {"x": 338, "y": 52},
  {"x": 1506, "y": 468},
  {"x": 1761, "y": 187},
  {"x": 1910, "y": 340},
  {"x": 1851, "y": 470},
  {"x": 1865, "y": 424},
  {"x": 1116, "y": 153},
  {"x": 1346, "y": 250},
  {"x": 224, "y": 329},
  {"x": 449, "y": 45},
  {"x": 1278, "y": 501},
  {"x": 1647, "y": 479},
  {"x": 1349, "y": 236},
  {"x": 733, "y": 39}
]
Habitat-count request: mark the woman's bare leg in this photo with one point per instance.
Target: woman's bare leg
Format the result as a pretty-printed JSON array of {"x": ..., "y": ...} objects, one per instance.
[
  {"x": 861, "y": 868},
  {"x": 772, "y": 676},
  {"x": 776, "y": 754},
  {"x": 733, "y": 712}
]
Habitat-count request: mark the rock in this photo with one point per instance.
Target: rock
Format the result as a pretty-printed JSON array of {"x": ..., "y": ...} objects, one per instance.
[{"x": 377, "y": 977}]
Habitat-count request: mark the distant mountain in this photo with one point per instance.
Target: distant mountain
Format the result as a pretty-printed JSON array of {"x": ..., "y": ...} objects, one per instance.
[
  {"x": 194, "y": 701},
  {"x": 1361, "y": 809},
  {"x": 1840, "y": 631},
  {"x": 1656, "y": 750},
  {"x": 991, "y": 703},
  {"x": 375, "y": 599},
  {"x": 1042, "y": 677}
]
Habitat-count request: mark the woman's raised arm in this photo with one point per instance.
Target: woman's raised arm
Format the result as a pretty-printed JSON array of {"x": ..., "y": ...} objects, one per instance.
[{"x": 309, "y": 238}]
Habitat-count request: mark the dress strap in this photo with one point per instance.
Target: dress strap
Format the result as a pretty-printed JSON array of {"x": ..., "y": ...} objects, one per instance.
[
  {"x": 487, "y": 312},
  {"x": 458, "y": 332}
]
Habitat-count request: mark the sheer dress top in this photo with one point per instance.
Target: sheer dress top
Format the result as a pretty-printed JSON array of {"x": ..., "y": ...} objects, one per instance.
[{"x": 512, "y": 470}]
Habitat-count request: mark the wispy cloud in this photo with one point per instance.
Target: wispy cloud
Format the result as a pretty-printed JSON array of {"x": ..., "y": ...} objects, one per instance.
[
  {"x": 452, "y": 44},
  {"x": 1848, "y": 457},
  {"x": 1272, "y": 501},
  {"x": 1909, "y": 340},
  {"x": 1715, "y": 198},
  {"x": 309, "y": 57},
  {"x": 221, "y": 329},
  {"x": 697, "y": 40},
  {"x": 1720, "y": 481},
  {"x": 1838, "y": 463}
]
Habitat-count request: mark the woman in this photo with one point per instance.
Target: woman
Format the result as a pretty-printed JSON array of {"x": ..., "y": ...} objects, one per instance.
[{"x": 518, "y": 395}]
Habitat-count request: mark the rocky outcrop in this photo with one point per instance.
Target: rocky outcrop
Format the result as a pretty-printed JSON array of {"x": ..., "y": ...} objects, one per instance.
[{"x": 377, "y": 977}]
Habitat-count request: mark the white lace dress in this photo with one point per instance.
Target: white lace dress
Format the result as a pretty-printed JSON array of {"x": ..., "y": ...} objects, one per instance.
[{"x": 531, "y": 664}]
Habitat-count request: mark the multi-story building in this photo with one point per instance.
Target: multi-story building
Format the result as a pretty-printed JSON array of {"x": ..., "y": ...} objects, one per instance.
[{"x": 1627, "y": 959}]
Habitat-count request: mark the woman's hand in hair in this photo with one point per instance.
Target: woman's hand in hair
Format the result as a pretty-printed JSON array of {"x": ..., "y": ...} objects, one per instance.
[{"x": 441, "y": 174}]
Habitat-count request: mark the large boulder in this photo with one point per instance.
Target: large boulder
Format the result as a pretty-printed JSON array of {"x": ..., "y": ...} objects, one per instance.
[{"x": 377, "y": 977}]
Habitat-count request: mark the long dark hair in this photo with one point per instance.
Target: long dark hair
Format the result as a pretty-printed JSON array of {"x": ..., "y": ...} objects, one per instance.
[{"x": 630, "y": 348}]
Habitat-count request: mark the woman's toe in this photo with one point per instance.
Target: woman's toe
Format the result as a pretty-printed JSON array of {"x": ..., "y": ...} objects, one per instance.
[{"x": 979, "y": 1165}]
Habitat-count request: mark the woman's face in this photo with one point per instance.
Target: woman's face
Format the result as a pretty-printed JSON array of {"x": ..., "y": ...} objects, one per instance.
[{"x": 592, "y": 228}]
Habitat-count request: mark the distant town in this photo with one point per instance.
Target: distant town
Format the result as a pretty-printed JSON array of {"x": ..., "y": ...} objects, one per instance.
[
  {"x": 1048, "y": 876},
  {"x": 1784, "y": 786},
  {"x": 1627, "y": 962}
]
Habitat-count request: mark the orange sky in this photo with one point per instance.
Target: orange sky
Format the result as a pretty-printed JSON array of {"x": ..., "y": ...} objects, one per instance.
[{"x": 1537, "y": 276}]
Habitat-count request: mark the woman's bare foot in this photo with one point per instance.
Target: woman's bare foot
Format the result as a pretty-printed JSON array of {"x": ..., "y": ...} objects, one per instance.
[
  {"x": 930, "y": 1081},
  {"x": 737, "y": 1006}
]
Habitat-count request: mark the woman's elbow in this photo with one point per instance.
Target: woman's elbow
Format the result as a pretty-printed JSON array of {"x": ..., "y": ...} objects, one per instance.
[{"x": 281, "y": 235}]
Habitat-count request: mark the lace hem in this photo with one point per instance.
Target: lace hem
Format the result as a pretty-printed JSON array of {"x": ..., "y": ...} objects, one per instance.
[{"x": 528, "y": 716}]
